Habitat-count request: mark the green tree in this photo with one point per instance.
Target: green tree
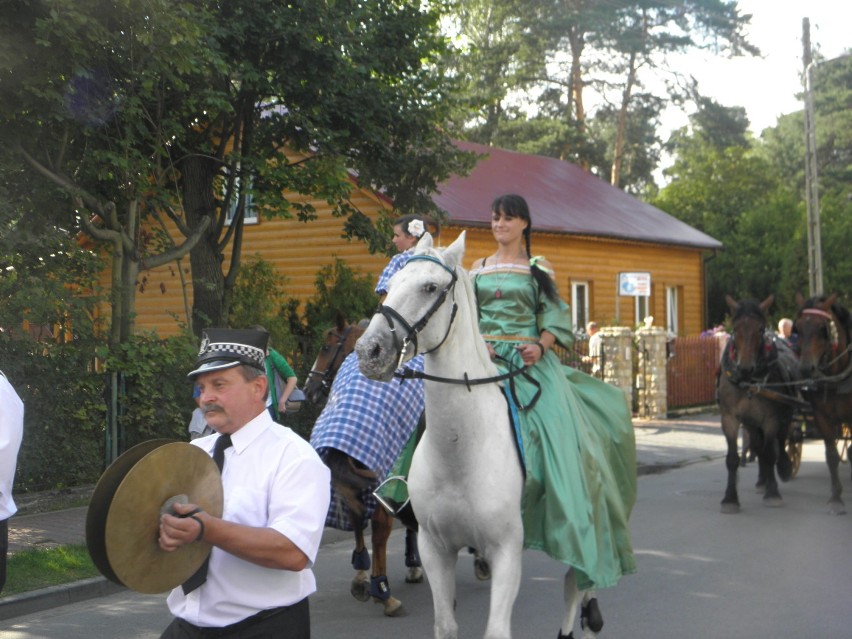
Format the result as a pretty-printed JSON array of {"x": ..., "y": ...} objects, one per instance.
[
  {"x": 553, "y": 51},
  {"x": 147, "y": 112}
]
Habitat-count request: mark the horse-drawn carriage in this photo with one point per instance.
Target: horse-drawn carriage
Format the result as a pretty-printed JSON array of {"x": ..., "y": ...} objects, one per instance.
[{"x": 781, "y": 396}]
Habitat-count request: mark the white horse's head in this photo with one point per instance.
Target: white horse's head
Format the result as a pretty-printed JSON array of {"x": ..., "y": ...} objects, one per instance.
[{"x": 419, "y": 310}]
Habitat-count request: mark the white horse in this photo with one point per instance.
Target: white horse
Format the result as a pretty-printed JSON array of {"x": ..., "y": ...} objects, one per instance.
[{"x": 466, "y": 478}]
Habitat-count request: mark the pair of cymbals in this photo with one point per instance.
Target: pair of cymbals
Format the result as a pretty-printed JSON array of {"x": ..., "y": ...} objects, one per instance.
[{"x": 122, "y": 523}]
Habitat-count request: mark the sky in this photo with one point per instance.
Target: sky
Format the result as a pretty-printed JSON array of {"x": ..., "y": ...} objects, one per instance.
[{"x": 767, "y": 86}]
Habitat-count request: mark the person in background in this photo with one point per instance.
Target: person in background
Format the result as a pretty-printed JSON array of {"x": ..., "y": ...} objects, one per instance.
[
  {"x": 11, "y": 433},
  {"x": 595, "y": 348},
  {"x": 578, "y": 439},
  {"x": 198, "y": 425},
  {"x": 278, "y": 367},
  {"x": 276, "y": 492},
  {"x": 785, "y": 330}
]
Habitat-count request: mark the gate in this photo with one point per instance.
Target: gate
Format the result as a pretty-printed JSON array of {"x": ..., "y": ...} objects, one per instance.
[{"x": 691, "y": 371}]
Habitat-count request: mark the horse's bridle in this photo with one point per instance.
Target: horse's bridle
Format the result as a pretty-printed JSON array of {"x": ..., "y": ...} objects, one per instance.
[
  {"x": 329, "y": 373},
  {"x": 833, "y": 338},
  {"x": 410, "y": 338}
]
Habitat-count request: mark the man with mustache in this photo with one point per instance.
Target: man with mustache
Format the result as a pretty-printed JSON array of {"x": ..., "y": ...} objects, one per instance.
[{"x": 276, "y": 490}]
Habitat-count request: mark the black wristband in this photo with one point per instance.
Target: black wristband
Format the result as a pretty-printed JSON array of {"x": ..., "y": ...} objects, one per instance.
[
  {"x": 541, "y": 346},
  {"x": 201, "y": 530}
]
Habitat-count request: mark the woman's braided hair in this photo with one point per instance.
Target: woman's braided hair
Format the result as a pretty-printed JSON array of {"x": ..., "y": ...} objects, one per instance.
[{"x": 513, "y": 205}]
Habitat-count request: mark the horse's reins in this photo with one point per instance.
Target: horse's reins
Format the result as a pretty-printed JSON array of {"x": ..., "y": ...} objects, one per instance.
[{"x": 390, "y": 314}]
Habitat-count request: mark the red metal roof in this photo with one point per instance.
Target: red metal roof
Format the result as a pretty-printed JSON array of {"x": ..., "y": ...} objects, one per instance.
[{"x": 563, "y": 198}]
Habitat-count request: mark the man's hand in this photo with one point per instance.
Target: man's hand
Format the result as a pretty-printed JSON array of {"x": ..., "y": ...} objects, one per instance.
[{"x": 186, "y": 528}]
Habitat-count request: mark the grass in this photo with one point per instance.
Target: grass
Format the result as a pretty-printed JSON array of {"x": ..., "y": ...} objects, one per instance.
[{"x": 43, "y": 567}]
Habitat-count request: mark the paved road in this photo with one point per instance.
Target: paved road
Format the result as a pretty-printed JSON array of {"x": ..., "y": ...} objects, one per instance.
[{"x": 762, "y": 573}]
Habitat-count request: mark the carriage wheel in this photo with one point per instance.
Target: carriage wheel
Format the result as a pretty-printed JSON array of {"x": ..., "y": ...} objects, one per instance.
[{"x": 794, "y": 452}]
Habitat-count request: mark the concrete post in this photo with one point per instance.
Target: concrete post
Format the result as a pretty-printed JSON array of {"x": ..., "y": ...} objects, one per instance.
[
  {"x": 651, "y": 372},
  {"x": 617, "y": 349}
]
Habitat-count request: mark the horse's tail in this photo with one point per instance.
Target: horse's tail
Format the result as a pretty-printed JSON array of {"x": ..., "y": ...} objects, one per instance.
[{"x": 348, "y": 470}]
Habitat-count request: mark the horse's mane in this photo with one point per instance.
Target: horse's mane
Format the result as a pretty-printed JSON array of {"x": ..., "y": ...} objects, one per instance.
[{"x": 467, "y": 297}]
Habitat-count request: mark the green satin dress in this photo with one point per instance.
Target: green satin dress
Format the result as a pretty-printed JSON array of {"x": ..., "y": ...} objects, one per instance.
[{"x": 579, "y": 445}]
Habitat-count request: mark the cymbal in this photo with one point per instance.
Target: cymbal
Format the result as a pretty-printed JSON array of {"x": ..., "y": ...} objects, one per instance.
[
  {"x": 166, "y": 472},
  {"x": 102, "y": 498}
]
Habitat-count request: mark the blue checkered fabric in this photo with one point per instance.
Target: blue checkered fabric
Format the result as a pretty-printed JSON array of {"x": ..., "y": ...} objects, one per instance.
[{"x": 370, "y": 421}]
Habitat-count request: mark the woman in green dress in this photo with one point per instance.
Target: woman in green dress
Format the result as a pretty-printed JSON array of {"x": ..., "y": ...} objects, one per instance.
[{"x": 579, "y": 446}]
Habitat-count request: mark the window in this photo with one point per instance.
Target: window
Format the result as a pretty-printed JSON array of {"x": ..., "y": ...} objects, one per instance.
[
  {"x": 672, "y": 310},
  {"x": 579, "y": 305},
  {"x": 251, "y": 211},
  {"x": 642, "y": 309}
]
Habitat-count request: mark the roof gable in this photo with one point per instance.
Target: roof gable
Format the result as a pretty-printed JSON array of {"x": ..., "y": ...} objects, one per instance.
[{"x": 563, "y": 198}]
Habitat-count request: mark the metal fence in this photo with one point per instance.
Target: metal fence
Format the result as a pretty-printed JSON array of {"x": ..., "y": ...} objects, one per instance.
[
  {"x": 578, "y": 355},
  {"x": 691, "y": 371}
]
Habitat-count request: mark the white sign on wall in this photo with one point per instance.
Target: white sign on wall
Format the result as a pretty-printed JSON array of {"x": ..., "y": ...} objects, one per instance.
[{"x": 634, "y": 284}]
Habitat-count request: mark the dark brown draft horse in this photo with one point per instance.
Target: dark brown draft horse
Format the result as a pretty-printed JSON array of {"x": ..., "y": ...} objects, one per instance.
[
  {"x": 756, "y": 369},
  {"x": 823, "y": 329},
  {"x": 352, "y": 481}
]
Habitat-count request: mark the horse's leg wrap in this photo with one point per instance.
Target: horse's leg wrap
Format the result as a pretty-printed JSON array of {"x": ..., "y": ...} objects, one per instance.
[
  {"x": 361, "y": 559},
  {"x": 379, "y": 588},
  {"x": 590, "y": 615},
  {"x": 570, "y": 635},
  {"x": 412, "y": 554}
]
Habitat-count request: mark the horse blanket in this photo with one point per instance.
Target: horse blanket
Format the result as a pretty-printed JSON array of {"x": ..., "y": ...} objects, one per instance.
[{"x": 371, "y": 422}]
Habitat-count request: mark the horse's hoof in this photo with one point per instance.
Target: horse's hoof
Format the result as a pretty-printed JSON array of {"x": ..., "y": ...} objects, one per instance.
[
  {"x": 730, "y": 508},
  {"x": 590, "y": 615},
  {"x": 836, "y": 508},
  {"x": 393, "y": 607},
  {"x": 773, "y": 502},
  {"x": 481, "y": 568},
  {"x": 360, "y": 589},
  {"x": 414, "y": 576}
]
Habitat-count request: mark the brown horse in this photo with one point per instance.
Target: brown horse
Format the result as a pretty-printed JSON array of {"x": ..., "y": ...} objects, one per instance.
[
  {"x": 755, "y": 367},
  {"x": 823, "y": 330},
  {"x": 353, "y": 483}
]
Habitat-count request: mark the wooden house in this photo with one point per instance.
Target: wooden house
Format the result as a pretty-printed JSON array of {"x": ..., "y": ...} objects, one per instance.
[{"x": 600, "y": 240}]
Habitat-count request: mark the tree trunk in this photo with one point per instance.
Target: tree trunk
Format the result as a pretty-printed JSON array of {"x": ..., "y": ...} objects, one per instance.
[
  {"x": 621, "y": 128},
  {"x": 208, "y": 281}
]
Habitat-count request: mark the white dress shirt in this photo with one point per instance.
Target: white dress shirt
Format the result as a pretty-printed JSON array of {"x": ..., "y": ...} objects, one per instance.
[
  {"x": 271, "y": 478},
  {"x": 11, "y": 432}
]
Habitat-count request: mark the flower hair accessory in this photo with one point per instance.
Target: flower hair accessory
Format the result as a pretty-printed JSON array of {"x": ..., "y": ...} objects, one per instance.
[
  {"x": 416, "y": 228},
  {"x": 534, "y": 261}
]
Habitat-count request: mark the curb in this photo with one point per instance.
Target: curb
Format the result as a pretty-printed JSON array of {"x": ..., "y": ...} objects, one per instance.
[
  {"x": 37, "y": 600},
  {"x": 26, "y": 603}
]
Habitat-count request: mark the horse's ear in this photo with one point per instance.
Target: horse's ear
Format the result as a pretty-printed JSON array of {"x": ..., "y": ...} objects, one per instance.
[
  {"x": 731, "y": 302},
  {"x": 340, "y": 320},
  {"x": 765, "y": 304},
  {"x": 800, "y": 300},
  {"x": 454, "y": 253},
  {"x": 424, "y": 243},
  {"x": 831, "y": 300}
]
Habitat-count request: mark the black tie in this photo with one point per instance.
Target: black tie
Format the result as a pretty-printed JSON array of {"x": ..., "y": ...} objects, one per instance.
[{"x": 200, "y": 575}]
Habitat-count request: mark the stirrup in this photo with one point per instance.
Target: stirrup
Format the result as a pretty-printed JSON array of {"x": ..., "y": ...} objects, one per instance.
[{"x": 392, "y": 506}]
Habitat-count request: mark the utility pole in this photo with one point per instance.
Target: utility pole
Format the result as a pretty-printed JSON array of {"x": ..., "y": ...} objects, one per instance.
[{"x": 811, "y": 183}]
